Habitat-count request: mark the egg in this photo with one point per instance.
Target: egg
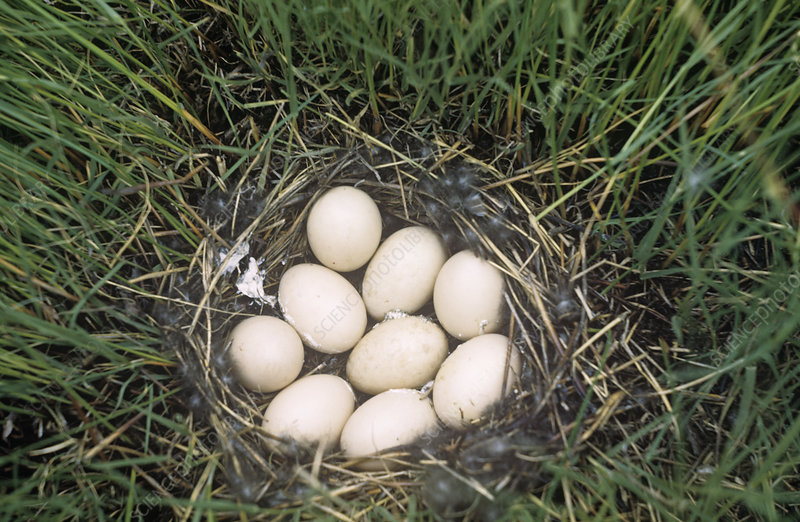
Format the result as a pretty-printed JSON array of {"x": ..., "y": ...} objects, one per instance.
[
  {"x": 344, "y": 228},
  {"x": 390, "y": 419},
  {"x": 311, "y": 411},
  {"x": 324, "y": 308},
  {"x": 403, "y": 271},
  {"x": 404, "y": 352},
  {"x": 468, "y": 296},
  {"x": 470, "y": 380},
  {"x": 266, "y": 353}
]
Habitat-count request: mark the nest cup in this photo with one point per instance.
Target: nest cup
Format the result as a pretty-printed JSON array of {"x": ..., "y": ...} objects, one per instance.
[{"x": 471, "y": 206}]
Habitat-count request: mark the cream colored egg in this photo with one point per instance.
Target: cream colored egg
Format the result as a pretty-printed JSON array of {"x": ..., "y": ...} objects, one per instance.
[
  {"x": 404, "y": 352},
  {"x": 470, "y": 380},
  {"x": 390, "y": 419},
  {"x": 311, "y": 411},
  {"x": 344, "y": 228},
  {"x": 266, "y": 353},
  {"x": 468, "y": 296},
  {"x": 323, "y": 307},
  {"x": 403, "y": 271}
]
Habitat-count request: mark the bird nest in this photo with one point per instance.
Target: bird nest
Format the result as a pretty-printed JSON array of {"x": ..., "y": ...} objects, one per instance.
[{"x": 574, "y": 313}]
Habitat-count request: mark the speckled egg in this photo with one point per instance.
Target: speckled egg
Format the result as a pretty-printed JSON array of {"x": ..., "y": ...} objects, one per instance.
[{"x": 404, "y": 352}]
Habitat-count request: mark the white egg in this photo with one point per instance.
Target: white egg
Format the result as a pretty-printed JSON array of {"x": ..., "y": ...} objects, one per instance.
[
  {"x": 344, "y": 228},
  {"x": 470, "y": 380},
  {"x": 323, "y": 307},
  {"x": 468, "y": 296},
  {"x": 403, "y": 271},
  {"x": 311, "y": 411},
  {"x": 404, "y": 352},
  {"x": 390, "y": 419},
  {"x": 266, "y": 353}
]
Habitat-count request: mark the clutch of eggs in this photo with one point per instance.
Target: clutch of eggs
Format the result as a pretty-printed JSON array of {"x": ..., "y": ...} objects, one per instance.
[{"x": 401, "y": 353}]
